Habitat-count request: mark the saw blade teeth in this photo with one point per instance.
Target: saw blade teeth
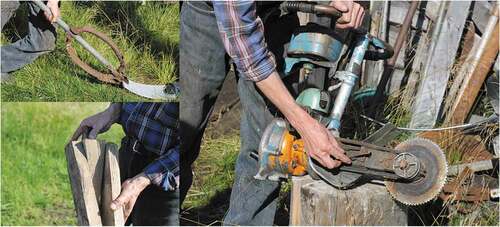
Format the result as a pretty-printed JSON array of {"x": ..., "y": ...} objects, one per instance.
[{"x": 441, "y": 171}]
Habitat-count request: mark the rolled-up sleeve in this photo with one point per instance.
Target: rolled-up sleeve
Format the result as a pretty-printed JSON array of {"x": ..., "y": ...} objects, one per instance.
[
  {"x": 242, "y": 32},
  {"x": 164, "y": 172}
]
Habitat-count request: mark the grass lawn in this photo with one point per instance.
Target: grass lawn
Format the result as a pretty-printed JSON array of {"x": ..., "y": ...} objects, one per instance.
[
  {"x": 35, "y": 187},
  {"x": 147, "y": 34}
]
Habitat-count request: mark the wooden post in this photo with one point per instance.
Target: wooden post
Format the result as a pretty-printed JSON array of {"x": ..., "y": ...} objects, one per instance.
[
  {"x": 322, "y": 204},
  {"x": 446, "y": 37},
  {"x": 111, "y": 187},
  {"x": 481, "y": 65},
  {"x": 87, "y": 208}
]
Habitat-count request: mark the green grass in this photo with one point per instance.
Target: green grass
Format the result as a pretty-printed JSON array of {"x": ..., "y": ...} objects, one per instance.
[
  {"x": 147, "y": 35},
  {"x": 208, "y": 198},
  {"x": 214, "y": 169},
  {"x": 35, "y": 186}
]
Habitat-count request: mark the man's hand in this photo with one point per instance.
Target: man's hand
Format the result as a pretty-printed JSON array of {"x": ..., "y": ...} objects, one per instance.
[
  {"x": 352, "y": 14},
  {"x": 131, "y": 189},
  {"x": 98, "y": 123},
  {"x": 319, "y": 143},
  {"x": 54, "y": 9}
]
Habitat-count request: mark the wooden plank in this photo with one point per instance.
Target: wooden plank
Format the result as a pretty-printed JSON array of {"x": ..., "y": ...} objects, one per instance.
[
  {"x": 398, "y": 11},
  {"x": 470, "y": 48},
  {"x": 446, "y": 37},
  {"x": 111, "y": 187},
  {"x": 295, "y": 205},
  {"x": 95, "y": 159},
  {"x": 368, "y": 204},
  {"x": 420, "y": 48},
  {"x": 432, "y": 9},
  {"x": 482, "y": 63},
  {"x": 84, "y": 197},
  {"x": 373, "y": 69},
  {"x": 480, "y": 14},
  {"x": 395, "y": 81}
]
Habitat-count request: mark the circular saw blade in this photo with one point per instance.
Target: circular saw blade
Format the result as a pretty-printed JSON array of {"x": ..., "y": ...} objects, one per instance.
[{"x": 433, "y": 162}]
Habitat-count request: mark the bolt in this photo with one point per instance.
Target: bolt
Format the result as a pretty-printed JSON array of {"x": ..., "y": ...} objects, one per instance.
[{"x": 403, "y": 164}]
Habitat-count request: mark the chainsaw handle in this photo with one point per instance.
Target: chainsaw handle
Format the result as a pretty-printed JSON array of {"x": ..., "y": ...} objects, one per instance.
[{"x": 310, "y": 7}]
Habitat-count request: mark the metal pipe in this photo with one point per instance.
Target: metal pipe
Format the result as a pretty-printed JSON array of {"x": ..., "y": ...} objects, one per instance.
[
  {"x": 78, "y": 38},
  {"x": 308, "y": 7},
  {"x": 403, "y": 32},
  {"x": 349, "y": 78}
]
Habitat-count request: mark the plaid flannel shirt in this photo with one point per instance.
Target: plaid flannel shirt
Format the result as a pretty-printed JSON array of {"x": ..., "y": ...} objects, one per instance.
[
  {"x": 242, "y": 33},
  {"x": 155, "y": 125}
]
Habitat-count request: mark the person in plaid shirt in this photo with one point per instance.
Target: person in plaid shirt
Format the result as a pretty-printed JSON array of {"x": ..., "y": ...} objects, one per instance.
[
  {"x": 149, "y": 159},
  {"x": 249, "y": 34}
]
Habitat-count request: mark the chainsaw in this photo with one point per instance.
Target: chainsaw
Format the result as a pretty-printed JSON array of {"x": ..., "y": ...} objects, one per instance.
[{"x": 414, "y": 172}]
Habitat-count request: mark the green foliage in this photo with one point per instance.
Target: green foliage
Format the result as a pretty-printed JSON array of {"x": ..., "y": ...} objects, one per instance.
[
  {"x": 147, "y": 35},
  {"x": 35, "y": 186}
]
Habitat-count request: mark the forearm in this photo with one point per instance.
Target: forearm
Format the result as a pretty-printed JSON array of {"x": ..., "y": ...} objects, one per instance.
[
  {"x": 114, "y": 111},
  {"x": 274, "y": 89}
]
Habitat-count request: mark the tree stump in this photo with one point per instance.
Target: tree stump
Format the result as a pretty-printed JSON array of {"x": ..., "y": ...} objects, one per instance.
[{"x": 317, "y": 203}]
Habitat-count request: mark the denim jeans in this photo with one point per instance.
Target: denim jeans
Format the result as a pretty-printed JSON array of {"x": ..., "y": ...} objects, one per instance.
[
  {"x": 204, "y": 65},
  {"x": 41, "y": 38},
  {"x": 154, "y": 206}
]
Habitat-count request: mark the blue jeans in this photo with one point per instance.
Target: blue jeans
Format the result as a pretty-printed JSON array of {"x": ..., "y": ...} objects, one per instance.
[
  {"x": 204, "y": 65},
  {"x": 41, "y": 38}
]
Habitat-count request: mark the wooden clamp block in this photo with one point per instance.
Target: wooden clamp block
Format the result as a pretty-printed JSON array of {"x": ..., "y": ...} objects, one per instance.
[
  {"x": 317, "y": 203},
  {"x": 95, "y": 181},
  {"x": 84, "y": 197},
  {"x": 111, "y": 188}
]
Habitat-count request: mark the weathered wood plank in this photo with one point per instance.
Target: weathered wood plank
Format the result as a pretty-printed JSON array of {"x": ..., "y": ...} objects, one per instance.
[
  {"x": 482, "y": 63},
  {"x": 395, "y": 81},
  {"x": 446, "y": 37},
  {"x": 432, "y": 9},
  {"x": 111, "y": 187},
  {"x": 84, "y": 197},
  {"x": 417, "y": 58},
  {"x": 398, "y": 11},
  {"x": 95, "y": 159},
  {"x": 369, "y": 204},
  {"x": 470, "y": 47},
  {"x": 373, "y": 69},
  {"x": 480, "y": 14}
]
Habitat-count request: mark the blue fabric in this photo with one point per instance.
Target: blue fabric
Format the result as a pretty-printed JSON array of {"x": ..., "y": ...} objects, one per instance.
[
  {"x": 155, "y": 126},
  {"x": 242, "y": 33},
  {"x": 203, "y": 68},
  {"x": 41, "y": 38}
]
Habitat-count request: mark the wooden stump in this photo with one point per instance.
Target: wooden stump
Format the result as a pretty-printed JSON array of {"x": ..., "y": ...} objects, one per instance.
[{"x": 317, "y": 203}]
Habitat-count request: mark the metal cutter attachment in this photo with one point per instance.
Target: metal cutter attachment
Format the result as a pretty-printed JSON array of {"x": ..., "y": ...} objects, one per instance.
[
  {"x": 115, "y": 76},
  {"x": 414, "y": 172}
]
